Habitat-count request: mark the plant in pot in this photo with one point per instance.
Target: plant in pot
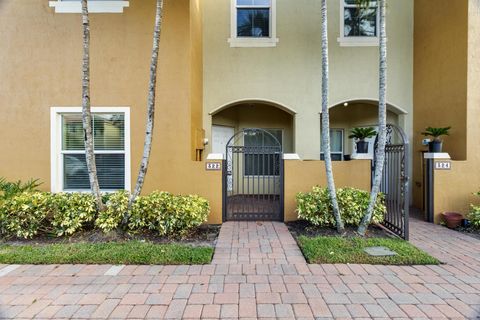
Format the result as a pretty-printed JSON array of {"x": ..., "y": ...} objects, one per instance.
[
  {"x": 436, "y": 144},
  {"x": 360, "y": 134}
]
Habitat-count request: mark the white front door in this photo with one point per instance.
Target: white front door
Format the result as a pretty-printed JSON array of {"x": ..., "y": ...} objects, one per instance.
[{"x": 220, "y": 137}]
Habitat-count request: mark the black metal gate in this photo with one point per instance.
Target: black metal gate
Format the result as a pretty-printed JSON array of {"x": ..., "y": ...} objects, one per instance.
[
  {"x": 394, "y": 183},
  {"x": 253, "y": 177}
]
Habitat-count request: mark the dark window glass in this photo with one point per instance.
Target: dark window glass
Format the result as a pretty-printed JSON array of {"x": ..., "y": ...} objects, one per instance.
[
  {"x": 110, "y": 171},
  {"x": 360, "y": 22},
  {"x": 253, "y": 23}
]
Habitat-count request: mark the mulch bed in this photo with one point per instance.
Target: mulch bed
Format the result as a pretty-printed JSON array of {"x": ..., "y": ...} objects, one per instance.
[
  {"x": 469, "y": 231},
  {"x": 305, "y": 228},
  {"x": 205, "y": 235}
]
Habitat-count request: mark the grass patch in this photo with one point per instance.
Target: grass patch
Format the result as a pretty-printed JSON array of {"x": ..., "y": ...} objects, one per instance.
[
  {"x": 131, "y": 252},
  {"x": 350, "y": 250}
]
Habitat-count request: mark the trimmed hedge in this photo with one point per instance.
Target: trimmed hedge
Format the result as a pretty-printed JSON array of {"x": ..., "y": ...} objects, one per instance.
[
  {"x": 28, "y": 214},
  {"x": 315, "y": 206}
]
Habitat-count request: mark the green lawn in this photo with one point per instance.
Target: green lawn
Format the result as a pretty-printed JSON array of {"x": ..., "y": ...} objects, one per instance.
[
  {"x": 132, "y": 252},
  {"x": 350, "y": 250}
]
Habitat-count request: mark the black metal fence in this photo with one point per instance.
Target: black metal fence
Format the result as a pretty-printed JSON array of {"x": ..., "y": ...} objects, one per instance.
[{"x": 395, "y": 181}]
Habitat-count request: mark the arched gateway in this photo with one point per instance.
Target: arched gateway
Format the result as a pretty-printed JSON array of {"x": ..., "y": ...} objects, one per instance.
[{"x": 253, "y": 176}]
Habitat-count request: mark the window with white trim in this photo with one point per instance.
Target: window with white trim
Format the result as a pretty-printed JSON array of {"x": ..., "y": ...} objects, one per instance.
[
  {"x": 94, "y": 6},
  {"x": 358, "y": 24},
  {"x": 253, "y": 23},
  {"x": 111, "y": 144}
]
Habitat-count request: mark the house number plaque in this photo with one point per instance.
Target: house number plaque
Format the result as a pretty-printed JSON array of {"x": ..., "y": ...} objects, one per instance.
[
  {"x": 213, "y": 166},
  {"x": 443, "y": 165}
]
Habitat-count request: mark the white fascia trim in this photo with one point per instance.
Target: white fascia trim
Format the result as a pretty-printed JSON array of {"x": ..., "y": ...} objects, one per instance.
[
  {"x": 242, "y": 42},
  {"x": 56, "y": 171},
  {"x": 93, "y": 6}
]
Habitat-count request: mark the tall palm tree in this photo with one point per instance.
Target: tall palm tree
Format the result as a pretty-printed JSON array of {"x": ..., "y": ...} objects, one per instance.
[
  {"x": 326, "y": 121},
  {"x": 86, "y": 110},
  {"x": 382, "y": 121},
  {"x": 150, "y": 105}
]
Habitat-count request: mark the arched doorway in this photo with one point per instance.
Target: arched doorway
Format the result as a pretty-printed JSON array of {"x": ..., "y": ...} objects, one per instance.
[{"x": 253, "y": 176}]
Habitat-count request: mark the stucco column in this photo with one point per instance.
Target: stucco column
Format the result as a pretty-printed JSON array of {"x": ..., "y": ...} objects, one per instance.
[{"x": 307, "y": 135}]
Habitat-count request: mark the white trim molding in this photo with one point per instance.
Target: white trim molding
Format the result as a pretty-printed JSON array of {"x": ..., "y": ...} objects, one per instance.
[
  {"x": 246, "y": 42},
  {"x": 215, "y": 156},
  {"x": 437, "y": 155},
  {"x": 94, "y": 6},
  {"x": 56, "y": 160},
  {"x": 291, "y": 156}
]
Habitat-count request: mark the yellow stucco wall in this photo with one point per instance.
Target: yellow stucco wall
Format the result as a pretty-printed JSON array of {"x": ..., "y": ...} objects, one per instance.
[
  {"x": 40, "y": 67},
  {"x": 290, "y": 73},
  {"x": 301, "y": 176},
  {"x": 447, "y": 78}
]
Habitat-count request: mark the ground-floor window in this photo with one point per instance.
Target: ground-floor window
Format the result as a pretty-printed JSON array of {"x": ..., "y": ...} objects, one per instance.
[
  {"x": 336, "y": 145},
  {"x": 111, "y": 144},
  {"x": 261, "y": 161}
]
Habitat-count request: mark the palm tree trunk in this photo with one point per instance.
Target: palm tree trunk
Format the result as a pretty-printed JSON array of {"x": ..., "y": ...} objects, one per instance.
[
  {"x": 326, "y": 121},
  {"x": 382, "y": 122},
  {"x": 86, "y": 110},
  {"x": 150, "y": 106}
]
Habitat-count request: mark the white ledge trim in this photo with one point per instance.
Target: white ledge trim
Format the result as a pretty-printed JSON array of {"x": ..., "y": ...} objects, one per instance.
[
  {"x": 291, "y": 156},
  {"x": 362, "y": 156},
  {"x": 436, "y": 155},
  {"x": 93, "y": 6},
  {"x": 252, "y": 42},
  {"x": 215, "y": 156},
  {"x": 358, "y": 41}
]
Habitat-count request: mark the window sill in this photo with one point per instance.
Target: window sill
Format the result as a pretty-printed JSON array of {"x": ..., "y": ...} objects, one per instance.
[
  {"x": 93, "y": 6},
  {"x": 253, "y": 42},
  {"x": 358, "y": 42}
]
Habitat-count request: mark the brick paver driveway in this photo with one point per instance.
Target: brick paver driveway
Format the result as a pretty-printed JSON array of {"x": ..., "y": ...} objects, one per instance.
[{"x": 257, "y": 272}]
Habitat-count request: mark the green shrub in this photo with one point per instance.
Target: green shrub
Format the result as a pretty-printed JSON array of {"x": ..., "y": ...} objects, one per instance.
[
  {"x": 10, "y": 189},
  {"x": 28, "y": 214},
  {"x": 474, "y": 214},
  {"x": 24, "y": 215},
  {"x": 315, "y": 206},
  {"x": 117, "y": 205},
  {"x": 72, "y": 212},
  {"x": 168, "y": 214}
]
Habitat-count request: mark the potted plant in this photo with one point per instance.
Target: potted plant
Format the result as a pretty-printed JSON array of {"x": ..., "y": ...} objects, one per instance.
[
  {"x": 360, "y": 134},
  {"x": 436, "y": 144},
  {"x": 452, "y": 219}
]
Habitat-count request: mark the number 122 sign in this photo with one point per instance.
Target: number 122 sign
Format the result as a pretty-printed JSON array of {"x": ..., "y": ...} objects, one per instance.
[{"x": 213, "y": 166}]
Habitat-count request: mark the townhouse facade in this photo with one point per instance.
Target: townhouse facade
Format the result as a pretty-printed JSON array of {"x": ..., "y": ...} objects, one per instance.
[{"x": 239, "y": 97}]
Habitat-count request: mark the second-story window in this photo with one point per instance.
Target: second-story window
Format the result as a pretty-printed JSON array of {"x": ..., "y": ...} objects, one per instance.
[
  {"x": 358, "y": 24},
  {"x": 253, "y": 23},
  {"x": 253, "y": 18}
]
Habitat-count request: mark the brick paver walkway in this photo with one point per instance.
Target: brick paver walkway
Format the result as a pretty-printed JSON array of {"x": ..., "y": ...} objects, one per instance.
[{"x": 257, "y": 272}]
